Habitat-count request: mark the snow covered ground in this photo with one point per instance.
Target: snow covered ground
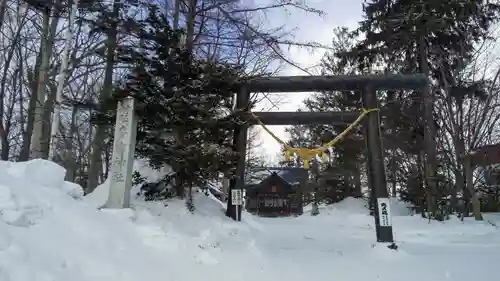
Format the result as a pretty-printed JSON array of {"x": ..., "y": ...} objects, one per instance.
[{"x": 48, "y": 231}]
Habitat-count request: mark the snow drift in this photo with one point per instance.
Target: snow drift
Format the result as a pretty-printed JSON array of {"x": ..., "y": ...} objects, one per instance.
[{"x": 49, "y": 232}]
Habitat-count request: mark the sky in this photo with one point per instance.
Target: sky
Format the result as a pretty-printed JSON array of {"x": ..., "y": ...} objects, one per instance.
[{"x": 309, "y": 27}]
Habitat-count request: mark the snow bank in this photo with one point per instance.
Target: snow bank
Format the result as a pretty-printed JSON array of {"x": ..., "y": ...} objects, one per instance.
[
  {"x": 351, "y": 205},
  {"x": 47, "y": 235},
  {"x": 360, "y": 206},
  {"x": 400, "y": 208},
  {"x": 39, "y": 172},
  {"x": 99, "y": 196},
  {"x": 149, "y": 173}
]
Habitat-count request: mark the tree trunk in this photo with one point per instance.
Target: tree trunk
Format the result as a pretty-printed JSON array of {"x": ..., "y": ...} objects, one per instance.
[
  {"x": 357, "y": 182},
  {"x": 61, "y": 79},
  {"x": 30, "y": 118},
  {"x": 190, "y": 18},
  {"x": 177, "y": 12},
  {"x": 430, "y": 133},
  {"x": 40, "y": 135},
  {"x": 179, "y": 132},
  {"x": 95, "y": 168},
  {"x": 419, "y": 173},
  {"x": 394, "y": 168},
  {"x": 5, "y": 129},
  {"x": 463, "y": 165},
  {"x": 69, "y": 160},
  {"x": 48, "y": 108}
]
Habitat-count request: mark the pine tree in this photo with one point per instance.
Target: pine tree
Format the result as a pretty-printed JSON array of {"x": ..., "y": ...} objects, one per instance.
[
  {"x": 175, "y": 90},
  {"x": 436, "y": 38}
]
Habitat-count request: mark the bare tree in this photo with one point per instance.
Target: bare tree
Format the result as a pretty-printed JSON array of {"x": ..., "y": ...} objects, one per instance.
[
  {"x": 54, "y": 131},
  {"x": 95, "y": 169},
  {"x": 470, "y": 113},
  {"x": 32, "y": 89},
  {"x": 41, "y": 120}
]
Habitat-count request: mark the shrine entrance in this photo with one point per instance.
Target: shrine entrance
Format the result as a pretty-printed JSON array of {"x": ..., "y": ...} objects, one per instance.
[{"x": 368, "y": 85}]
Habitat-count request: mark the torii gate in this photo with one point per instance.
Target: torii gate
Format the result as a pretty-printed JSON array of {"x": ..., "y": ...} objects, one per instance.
[{"x": 368, "y": 85}]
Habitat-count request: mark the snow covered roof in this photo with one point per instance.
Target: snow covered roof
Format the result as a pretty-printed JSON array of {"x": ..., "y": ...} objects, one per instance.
[
  {"x": 291, "y": 175},
  {"x": 254, "y": 177}
]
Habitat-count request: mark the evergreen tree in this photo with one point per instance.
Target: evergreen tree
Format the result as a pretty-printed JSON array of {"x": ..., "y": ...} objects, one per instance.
[
  {"x": 436, "y": 38},
  {"x": 174, "y": 90}
]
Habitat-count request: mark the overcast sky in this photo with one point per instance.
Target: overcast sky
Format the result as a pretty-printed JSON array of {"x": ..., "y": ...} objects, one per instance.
[{"x": 309, "y": 28}]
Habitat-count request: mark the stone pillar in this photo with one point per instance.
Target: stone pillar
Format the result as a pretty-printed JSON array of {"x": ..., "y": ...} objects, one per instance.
[{"x": 120, "y": 182}]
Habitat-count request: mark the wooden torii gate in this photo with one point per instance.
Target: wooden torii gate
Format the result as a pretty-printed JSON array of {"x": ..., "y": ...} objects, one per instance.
[{"x": 368, "y": 85}]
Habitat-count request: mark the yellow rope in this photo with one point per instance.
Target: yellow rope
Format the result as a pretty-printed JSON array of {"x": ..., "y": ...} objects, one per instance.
[{"x": 307, "y": 154}]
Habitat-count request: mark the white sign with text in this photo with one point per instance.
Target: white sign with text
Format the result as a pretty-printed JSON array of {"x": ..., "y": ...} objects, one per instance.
[
  {"x": 384, "y": 211},
  {"x": 237, "y": 197}
]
